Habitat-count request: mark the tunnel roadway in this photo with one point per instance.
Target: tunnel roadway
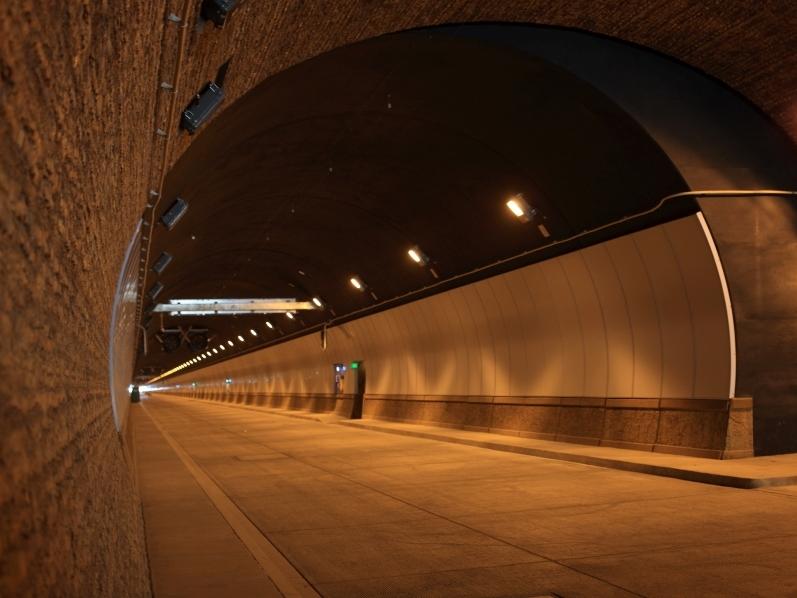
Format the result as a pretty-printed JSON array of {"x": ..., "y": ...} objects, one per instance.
[{"x": 244, "y": 503}]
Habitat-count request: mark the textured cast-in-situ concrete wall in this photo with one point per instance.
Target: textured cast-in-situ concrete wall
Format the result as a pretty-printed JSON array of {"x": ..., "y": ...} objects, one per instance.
[{"x": 76, "y": 106}]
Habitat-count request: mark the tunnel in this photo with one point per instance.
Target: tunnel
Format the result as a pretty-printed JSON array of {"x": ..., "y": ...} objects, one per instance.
[{"x": 365, "y": 298}]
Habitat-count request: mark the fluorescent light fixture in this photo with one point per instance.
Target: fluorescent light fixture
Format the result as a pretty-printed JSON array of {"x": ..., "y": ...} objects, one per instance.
[
  {"x": 518, "y": 205},
  {"x": 206, "y": 307},
  {"x": 269, "y": 324},
  {"x": 357, "y": 283},
  {"x": 252, "y": 332},
  {"x": 418, "y": 256},
  {"x": 317, "y": 302},
  {"x": 290, "y": 315},
  {"x": 230, "y": 343},
  {"x": 240, "y": 338}
]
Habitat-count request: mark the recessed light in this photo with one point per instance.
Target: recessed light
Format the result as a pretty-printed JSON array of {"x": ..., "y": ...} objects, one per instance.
[
  {"x": 357, "y": 283},
  {"x": 240, "y": 338},
  {"x": 269, "y": 324},
  {"x": 317, "y": 302},
  {"x": 252, "y": 332},
  {"x": 230, "y": 343},
  {"x": 289, "y": 314},
  {"x": 222, "y": 347},
  {"x": 214, "y": 350}
]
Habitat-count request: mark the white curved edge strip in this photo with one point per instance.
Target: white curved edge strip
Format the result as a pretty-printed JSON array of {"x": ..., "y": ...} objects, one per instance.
[
  {"x": 727, "y": 296},
  {"x": 128, "y": 266}
]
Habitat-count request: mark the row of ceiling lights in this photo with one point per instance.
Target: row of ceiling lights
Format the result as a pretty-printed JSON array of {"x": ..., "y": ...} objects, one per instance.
[{"x": 517, "y": 204}]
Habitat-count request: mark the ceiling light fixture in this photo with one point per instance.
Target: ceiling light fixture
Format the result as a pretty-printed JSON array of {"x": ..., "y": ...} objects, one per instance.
[
  {"x": 230, "y": 343},
  {"x": 418, "y": 256},
  {"x": 269, "y": 324},
  {"x": 252, "y": 332},
  {"x": 317, "y": 302},
  {"x": 228, "y": 307},
  {"x": 240, "y": 338},
  {"x": 518, "y": 205},
  {"x": 174, "y": 213},
  {"x": 357, "y": 283},
  {"x": 290, "y": 315},
  {"x": 214, "y": 350}
]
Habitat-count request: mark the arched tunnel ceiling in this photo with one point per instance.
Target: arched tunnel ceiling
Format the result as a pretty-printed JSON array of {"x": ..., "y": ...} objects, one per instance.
[{"x": 337, "y": 166}]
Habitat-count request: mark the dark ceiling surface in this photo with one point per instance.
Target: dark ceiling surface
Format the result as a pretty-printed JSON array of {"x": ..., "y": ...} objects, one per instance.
[{"x": 337, "y": 166}]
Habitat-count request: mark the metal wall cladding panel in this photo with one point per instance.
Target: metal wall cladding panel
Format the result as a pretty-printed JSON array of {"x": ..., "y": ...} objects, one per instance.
[
  {"x": 423, "y": 346},
  {"x": 614, "y": 306},
  {"x": 643, "y": 314},
  {"x": 639, "y": 316},
  {"x": 572, "y": 381},
  {"x": 546, "y": 352},
  {"x": 450, "y": 365},
  {"x": 484, "y": 350},
  {"x": 472, "y": 366},
  {"x": 510, "y": 346},
  {"x": 591, "y": 323},
  {"x": 398, "y": 358},
  {"x": 676, "y": 330},
  {"x": 494, "y": 341},
  {"x": 711, "y": 334}
]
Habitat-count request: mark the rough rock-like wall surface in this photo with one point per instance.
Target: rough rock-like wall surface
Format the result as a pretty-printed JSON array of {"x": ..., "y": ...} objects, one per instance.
[
  {"x": 76, "y": 105},
  {"x": 78, "y": 81},
  {"x": 747, "y": 45}
]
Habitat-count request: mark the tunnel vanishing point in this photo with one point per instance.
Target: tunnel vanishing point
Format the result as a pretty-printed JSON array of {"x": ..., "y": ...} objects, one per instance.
[{"x": 374, "y": 298}]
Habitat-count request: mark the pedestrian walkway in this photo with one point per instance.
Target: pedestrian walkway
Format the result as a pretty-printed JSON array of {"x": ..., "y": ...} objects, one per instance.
[{"x": 342, "y": 511}]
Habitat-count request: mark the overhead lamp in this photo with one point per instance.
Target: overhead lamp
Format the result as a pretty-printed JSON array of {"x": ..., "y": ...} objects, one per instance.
[
  {"x": 230, "y": 343},
  {"x": 518, "y": 205},
  {"x": 317, "y": 302},
  {"x": 155, "y": 290},
  {"x": 174, "y": 213},
  {"x": 252, "y": 332},
  {"x": 290, "y": 315},
  {"x": 418, "y": 256},
  {"x": 240, "y": 338},
  {"x": 357, "y": 283},
  {"x": 269, "y": 324},
  {"x": 160, "y": 264},
  {"x": 231, "y": 307}
]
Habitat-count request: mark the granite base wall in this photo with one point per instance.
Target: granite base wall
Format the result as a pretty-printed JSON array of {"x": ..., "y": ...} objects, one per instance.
[{"x": 709, "y": 428}]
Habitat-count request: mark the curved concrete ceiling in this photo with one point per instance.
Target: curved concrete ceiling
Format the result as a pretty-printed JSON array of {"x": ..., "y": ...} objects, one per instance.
[{"x": 339, "y": 165}]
